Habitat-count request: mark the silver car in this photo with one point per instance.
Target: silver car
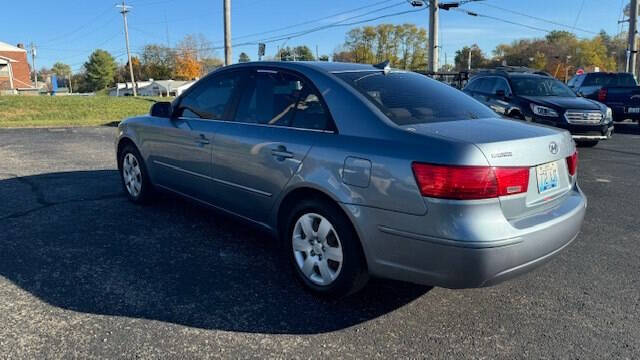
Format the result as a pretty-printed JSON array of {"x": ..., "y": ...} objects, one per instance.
[{"x": 362, "y": 171}]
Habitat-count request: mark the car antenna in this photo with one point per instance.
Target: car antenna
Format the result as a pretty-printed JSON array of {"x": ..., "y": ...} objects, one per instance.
[{"x": 384, "y": 66}]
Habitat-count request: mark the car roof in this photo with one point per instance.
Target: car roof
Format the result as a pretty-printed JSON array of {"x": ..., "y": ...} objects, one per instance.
[{"x": 325, "y": 66}]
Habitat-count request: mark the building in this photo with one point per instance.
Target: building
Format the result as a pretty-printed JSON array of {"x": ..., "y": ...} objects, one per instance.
[
  {"x": 14, "y": 68},
  {"x": 126, "y": 89},
  {"x": 152, "y": 88},
  {"x": 166, "y": 88}
]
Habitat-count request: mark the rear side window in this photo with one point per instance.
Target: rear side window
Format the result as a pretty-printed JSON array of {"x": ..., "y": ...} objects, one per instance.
[
  {"x": 603, "y": 79},
  {"x": 487, "y": 85},
  {"x": 409, "y": 98},
  {"x": 473, "y": 85},
  {"x": 211, "y": 99},
  {"x": 275, "y": 98}
]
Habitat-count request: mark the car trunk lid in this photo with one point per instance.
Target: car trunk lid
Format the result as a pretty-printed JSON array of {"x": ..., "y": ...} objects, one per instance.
[{"x": 509, "y": 143}]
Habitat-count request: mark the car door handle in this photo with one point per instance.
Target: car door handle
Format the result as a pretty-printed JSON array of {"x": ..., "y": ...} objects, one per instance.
[
  {"x": 202, "y": 140},
  {"x": 281, "y": 153}
]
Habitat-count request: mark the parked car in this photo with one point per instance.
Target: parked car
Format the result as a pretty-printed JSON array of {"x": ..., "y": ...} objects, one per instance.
[
  {"x": 619, "y": 91},
  {"x": 539, "y": 98},
  {"x": 362, "y": 171}
]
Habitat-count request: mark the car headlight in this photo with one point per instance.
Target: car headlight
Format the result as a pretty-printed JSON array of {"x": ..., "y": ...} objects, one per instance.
[
  {"x": 609, "y": 115},
  {"x": 543, "y": 110}
]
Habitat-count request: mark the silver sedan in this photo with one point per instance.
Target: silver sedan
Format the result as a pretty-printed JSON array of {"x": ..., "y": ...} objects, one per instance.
[{"x": 362, "y": 171}]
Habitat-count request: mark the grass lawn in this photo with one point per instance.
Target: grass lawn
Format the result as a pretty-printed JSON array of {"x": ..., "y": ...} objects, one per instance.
[{"x": 45, "y": 111}]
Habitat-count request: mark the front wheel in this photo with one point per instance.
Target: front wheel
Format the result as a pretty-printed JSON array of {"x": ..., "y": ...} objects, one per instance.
[
  {"x": 586, "y": 143},
  {"x": 324, "y": 249},
  {"x": 135, "y": 180}
]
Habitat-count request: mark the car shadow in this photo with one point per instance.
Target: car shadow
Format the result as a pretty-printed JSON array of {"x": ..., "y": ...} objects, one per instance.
[
  {"x": 74, "y": 241},
  {"x": 630, "y": 128}
]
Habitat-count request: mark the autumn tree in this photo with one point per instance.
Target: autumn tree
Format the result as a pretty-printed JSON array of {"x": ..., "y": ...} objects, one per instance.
[
  {"x": 403, "y": 45},
  {"x": 123, "y": 74},
  {"x": 194, "y": 57}
]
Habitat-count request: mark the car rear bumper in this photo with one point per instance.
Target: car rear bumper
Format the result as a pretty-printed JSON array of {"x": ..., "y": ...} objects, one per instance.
[
  {"x": 398, "y": 248},
  {"x": 620, "y": 113}
]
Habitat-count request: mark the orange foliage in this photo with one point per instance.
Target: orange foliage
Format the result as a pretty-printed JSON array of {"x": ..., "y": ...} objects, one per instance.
[{"x": 187, "y": 67}]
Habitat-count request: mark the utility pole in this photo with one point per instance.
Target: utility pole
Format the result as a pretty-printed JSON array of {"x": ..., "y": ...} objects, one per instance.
[
  {"x": 33, "y": 61},
  {"x": 469, "y": 60},
  {"x": 70, "y": 77},
  {"x": 633, "y": 29},
  {"x": 227, "y": 32},
  {"x": 124, "y": 10},
  {"x": 433, "y": 35}
]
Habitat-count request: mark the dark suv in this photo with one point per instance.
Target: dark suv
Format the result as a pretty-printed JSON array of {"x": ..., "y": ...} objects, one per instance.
[{"x": 538, "y": 97}]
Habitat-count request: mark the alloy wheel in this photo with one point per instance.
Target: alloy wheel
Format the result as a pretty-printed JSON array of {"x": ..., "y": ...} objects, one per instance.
[
  {"x": 317, "y": 249},
  {"x": 131, "y": 174}
]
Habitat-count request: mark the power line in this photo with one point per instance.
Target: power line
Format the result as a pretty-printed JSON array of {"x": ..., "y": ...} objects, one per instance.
[
  {"x": 318, "y": 19},
  {"x": 578, "y": 14},
  {"x": 81, "y": 27},
  {"x": 473, "y": 13},
  {"x": 538, "y": 18},
  {"x": 309, "y": 31}
]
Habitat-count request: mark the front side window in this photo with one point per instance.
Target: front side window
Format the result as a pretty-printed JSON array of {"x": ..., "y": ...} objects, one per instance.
[
  {"x": 276, "y": 98},
  {"x": 501, "y": 84},
  {"x": 540, "y": 86},
  {"x": 409, "y": 98},
  {"x": 211, "y": 99}
]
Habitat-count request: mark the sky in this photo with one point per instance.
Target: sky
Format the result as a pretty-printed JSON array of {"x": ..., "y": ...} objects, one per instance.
[{"x": 69, "y": 30}]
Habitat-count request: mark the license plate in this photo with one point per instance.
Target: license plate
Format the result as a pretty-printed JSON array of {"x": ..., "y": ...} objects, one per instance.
[
  {"x": 633, "y": 110},
  {"x": 547, "y": 176}
]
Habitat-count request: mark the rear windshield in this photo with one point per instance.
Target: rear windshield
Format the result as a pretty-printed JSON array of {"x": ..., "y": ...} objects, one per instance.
[
  {"x": 609, "y": 80},
  {"x": 409, "y": 98}
]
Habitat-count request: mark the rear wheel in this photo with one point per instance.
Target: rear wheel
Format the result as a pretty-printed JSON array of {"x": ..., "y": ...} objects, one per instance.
[
  {"x": 135, "y": 180},
  {"x": 586, "y": 143},
  {"x": 323, "y": 249}
]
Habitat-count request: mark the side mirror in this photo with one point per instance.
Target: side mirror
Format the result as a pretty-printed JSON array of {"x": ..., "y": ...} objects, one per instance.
[
  {"x": 501, "y": 94},
  {"x": 161, "y": 109}
]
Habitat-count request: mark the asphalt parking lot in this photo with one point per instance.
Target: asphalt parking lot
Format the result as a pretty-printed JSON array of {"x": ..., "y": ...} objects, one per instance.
[{"x": 84, "y": 273}]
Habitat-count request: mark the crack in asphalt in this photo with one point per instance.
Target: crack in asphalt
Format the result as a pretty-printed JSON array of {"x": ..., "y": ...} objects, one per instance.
[{"x": 44, "y": 203}]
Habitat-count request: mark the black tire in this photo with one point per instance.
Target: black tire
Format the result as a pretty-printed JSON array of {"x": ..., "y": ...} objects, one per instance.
[
  {"x": 146, "y": 189},
  {"x": 353, "y": 275},
  {"x": 587, "y": 143}
]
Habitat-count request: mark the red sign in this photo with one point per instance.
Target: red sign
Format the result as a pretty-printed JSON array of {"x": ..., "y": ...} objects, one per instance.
[{"x": 579, "y": 71}]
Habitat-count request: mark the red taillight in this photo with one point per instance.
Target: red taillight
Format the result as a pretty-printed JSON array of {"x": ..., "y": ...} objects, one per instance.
[
  {"x": 602, "y": 95},
  {"x": 469, "y": 182},
  {"x": 512, "y": 180},
  {"x": 572, "y": 163}
]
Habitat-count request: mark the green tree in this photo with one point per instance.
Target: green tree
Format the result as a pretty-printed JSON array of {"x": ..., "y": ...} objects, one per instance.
[
  {"x": 298, "y": 53},
  {"x": 61, "y": 69},
  {"x": 303, "y": 53},
  {"x": 100, "y": 70},
  {"x": 478, "y": 59},
  {"x": 243, "y": 57},
  {"x": 158, "y": 62}
]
